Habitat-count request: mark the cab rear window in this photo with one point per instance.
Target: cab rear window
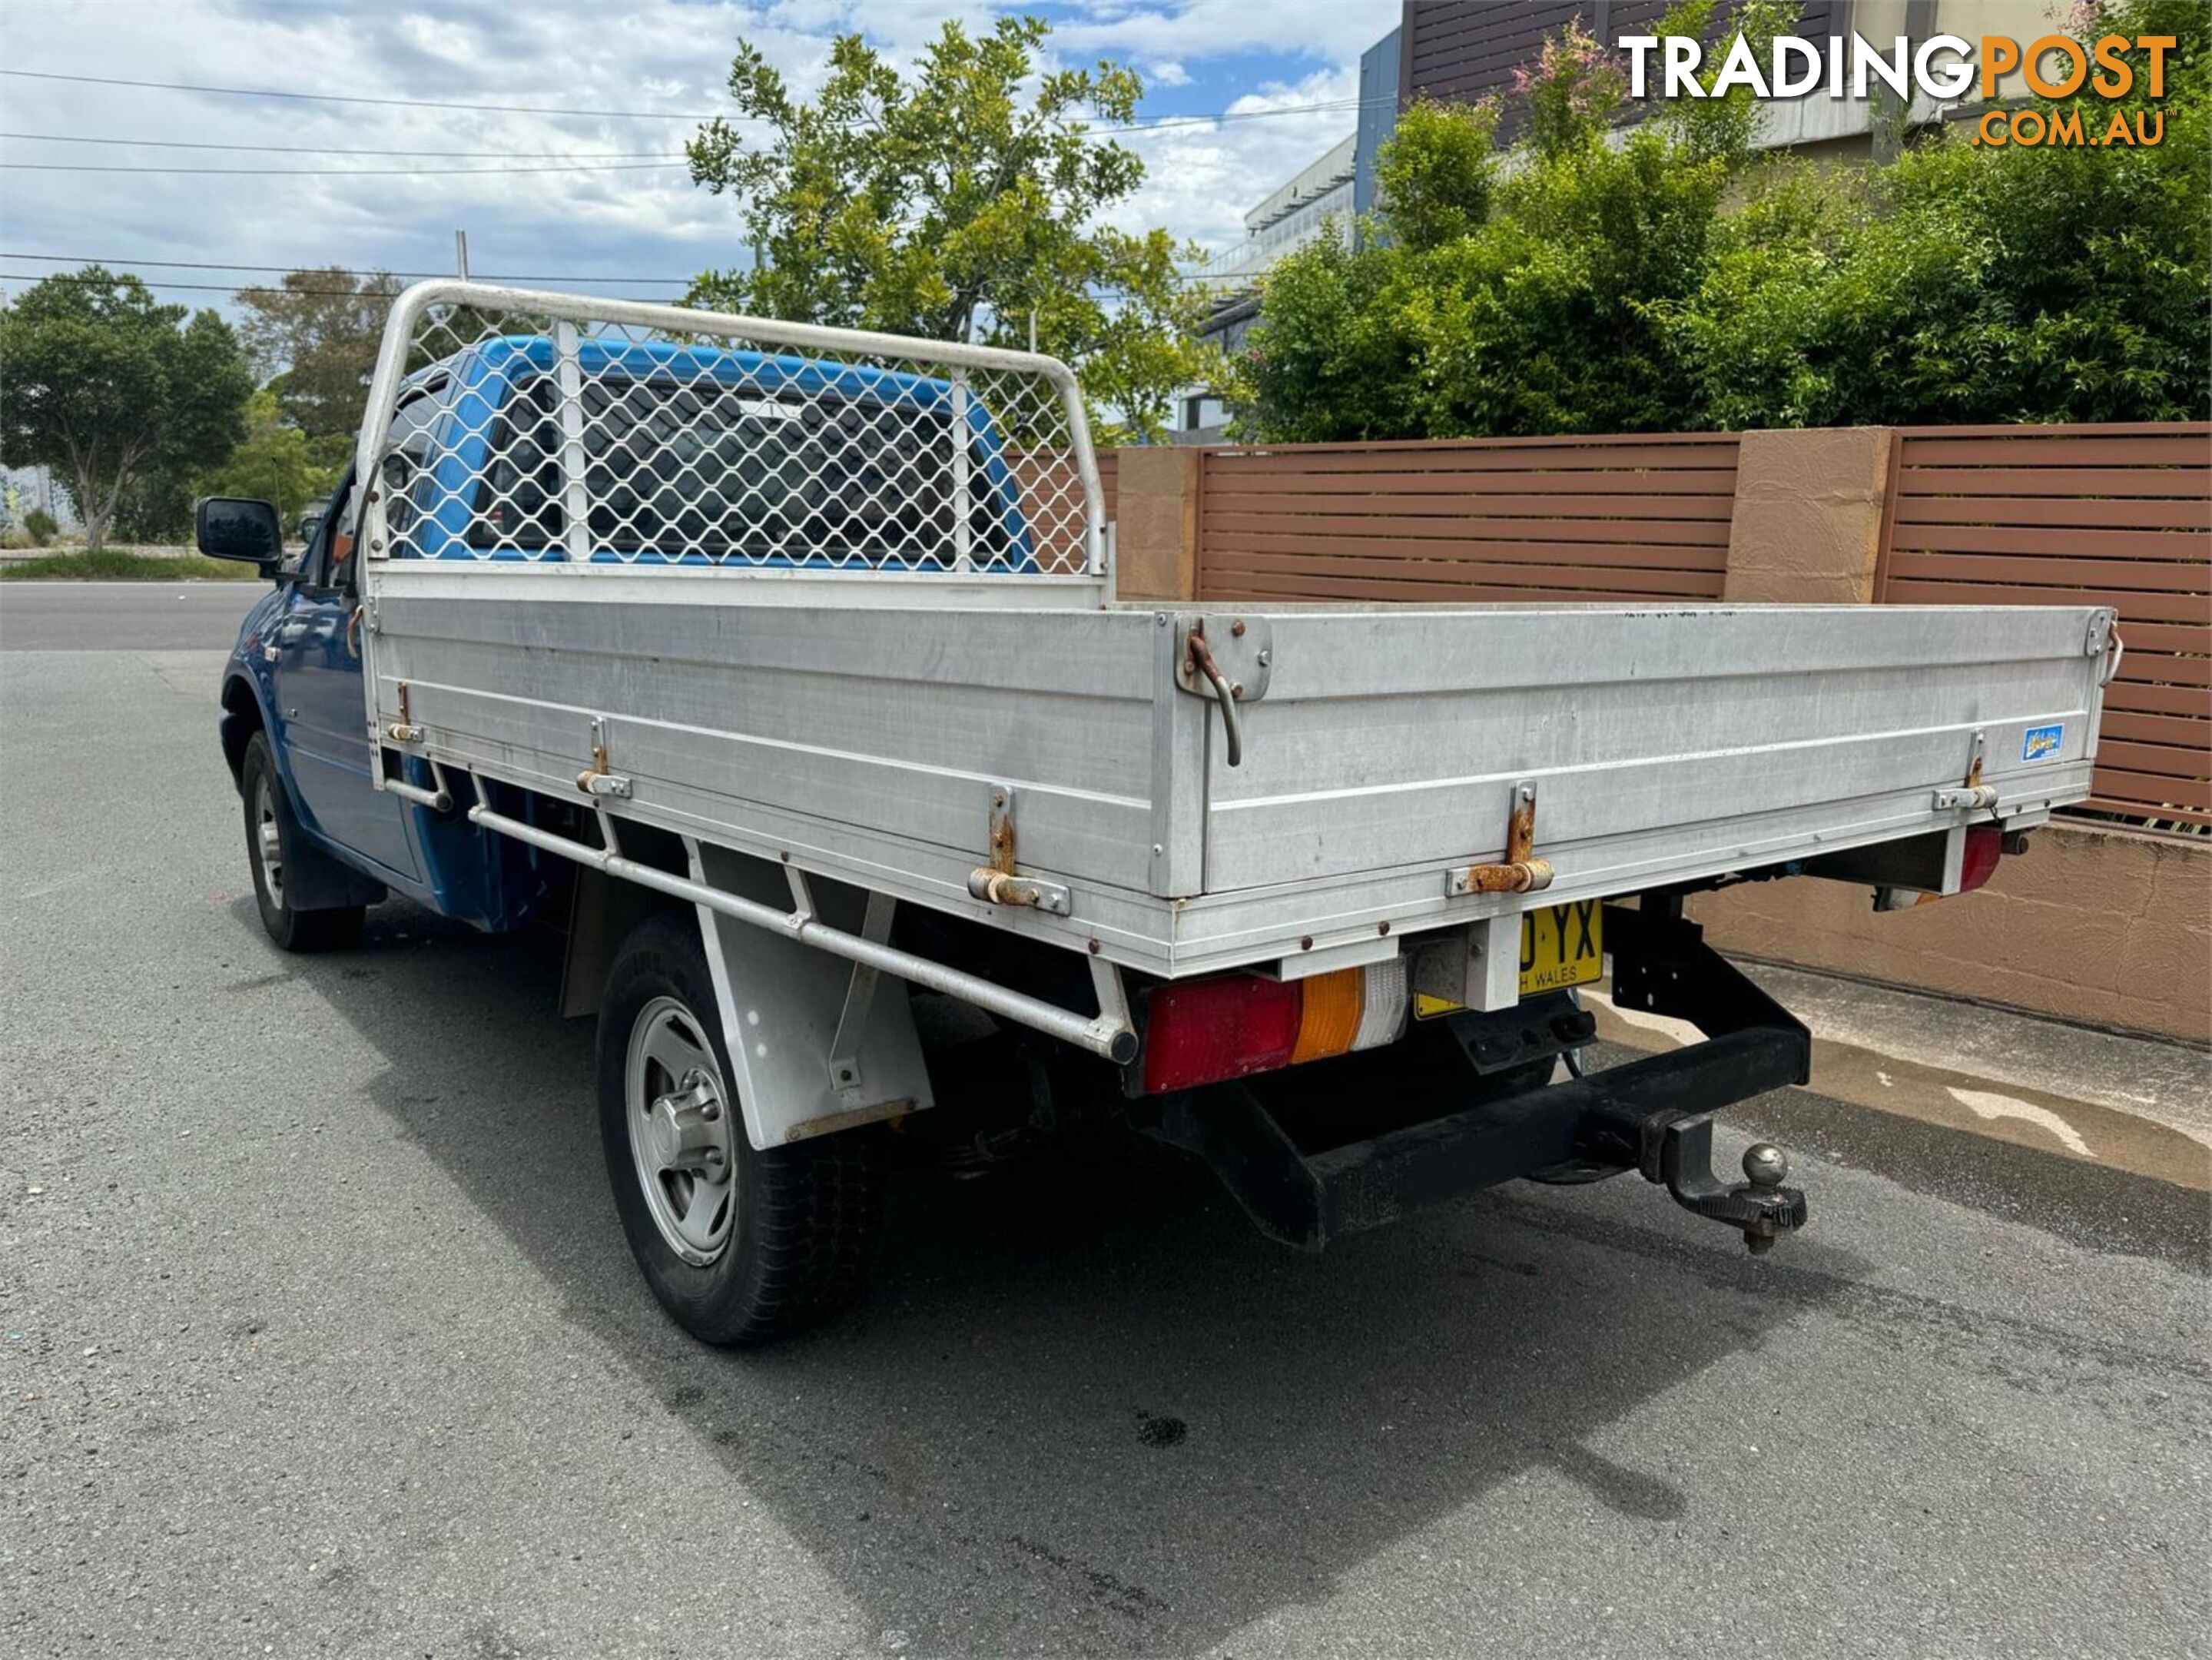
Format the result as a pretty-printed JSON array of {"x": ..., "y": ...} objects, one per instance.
[{"x": 674, "y": 469}]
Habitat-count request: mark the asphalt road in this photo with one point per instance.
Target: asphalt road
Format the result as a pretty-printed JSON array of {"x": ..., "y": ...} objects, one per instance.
[
  {"x": 317, "y": 1336},
  {"x": 123, "y": 616}
]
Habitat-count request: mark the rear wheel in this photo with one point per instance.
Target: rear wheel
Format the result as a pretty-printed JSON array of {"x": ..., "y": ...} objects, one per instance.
[
  {"x": 273, "y": 847},
  {"x": 740, "y": 1245}
]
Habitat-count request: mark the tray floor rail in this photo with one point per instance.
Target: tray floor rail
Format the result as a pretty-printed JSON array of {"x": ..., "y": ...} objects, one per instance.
[{"x": 1109, "y": 1034}]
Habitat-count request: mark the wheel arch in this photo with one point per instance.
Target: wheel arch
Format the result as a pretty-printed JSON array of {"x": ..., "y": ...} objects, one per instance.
[{"x": 242, "y": 716}]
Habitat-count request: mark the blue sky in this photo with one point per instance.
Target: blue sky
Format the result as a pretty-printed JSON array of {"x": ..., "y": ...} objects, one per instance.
[{"x": 1198, "y": 57}]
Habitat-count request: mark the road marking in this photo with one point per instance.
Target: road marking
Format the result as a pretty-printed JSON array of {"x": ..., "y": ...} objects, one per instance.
[
  {"x": 1986, "y": 1103},
  {"x": 76, "y": 881},
  {"x": 1681, "y": 1031}
]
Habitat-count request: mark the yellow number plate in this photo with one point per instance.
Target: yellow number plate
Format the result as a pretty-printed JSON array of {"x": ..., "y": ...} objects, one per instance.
[{"x": 1560, "y": 945}]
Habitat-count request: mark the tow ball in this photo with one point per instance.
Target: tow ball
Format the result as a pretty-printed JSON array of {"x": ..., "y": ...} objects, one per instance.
[{"x": 1676, "y": 1147}]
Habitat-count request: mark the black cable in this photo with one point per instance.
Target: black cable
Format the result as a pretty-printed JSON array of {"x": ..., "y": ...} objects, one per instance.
[
  {"x": 332, "y": 293},
  {"x": 325, "y": 149},
  {"x": 339, "y": 173},
  {"x": 1153, "y": 124},
  {"x": 351, "y": 271},
  {"x": 121, "y": 266}
]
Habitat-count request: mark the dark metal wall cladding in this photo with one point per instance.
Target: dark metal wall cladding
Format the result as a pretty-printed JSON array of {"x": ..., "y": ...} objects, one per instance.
[{"x": 1458, "y": 51}]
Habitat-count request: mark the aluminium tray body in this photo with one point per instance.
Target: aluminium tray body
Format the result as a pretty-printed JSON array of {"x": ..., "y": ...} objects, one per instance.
[{"x": 864, "y": 724}]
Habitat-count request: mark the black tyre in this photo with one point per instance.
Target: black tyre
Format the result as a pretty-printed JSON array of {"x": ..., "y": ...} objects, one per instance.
[
  {"x": 274, "y": 845},
  {"x": 741, "y": 1246}
]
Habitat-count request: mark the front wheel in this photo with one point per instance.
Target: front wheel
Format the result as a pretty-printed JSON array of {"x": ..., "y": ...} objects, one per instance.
[
  {"x": 740, "y": 1245},
  {"x": 274, "y": 847}
]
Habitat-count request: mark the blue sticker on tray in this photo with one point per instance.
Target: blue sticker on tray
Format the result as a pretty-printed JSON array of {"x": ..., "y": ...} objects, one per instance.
[{"x": 2042, "y": 743}]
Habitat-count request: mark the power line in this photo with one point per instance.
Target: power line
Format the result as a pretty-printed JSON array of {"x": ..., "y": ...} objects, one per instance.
[
  {"x": 1150, "y": 124},
  {"x": 351, "y": 271},
  {"x": 344, "y": 97},
  {"x": 206, "y": 287},
  {"x": 357, "y": 293},
  {"x": 341, "y": 173},
  {"x": 332, "y": 293},
  {"x": 324, "y": 150}
]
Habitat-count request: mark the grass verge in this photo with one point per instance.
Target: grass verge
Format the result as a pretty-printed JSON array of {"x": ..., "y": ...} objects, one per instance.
[{"x": 111, "y": 565}]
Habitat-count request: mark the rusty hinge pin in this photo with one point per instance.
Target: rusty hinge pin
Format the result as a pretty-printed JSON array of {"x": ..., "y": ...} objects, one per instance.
[{"x": 1520, "y": 876}]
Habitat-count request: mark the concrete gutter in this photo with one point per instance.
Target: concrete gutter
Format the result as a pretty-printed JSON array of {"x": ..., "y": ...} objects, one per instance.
[{"x": 2136, "y": 1104}]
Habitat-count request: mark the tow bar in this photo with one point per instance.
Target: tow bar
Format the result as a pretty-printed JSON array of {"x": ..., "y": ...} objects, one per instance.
[
  {"x": 1677, "y": 1148},
  {"x": 1654, "y": 1115}
]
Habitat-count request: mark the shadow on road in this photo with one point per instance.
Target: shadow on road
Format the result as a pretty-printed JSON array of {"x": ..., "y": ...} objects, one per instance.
[{"x": 1087, "y": 1408}]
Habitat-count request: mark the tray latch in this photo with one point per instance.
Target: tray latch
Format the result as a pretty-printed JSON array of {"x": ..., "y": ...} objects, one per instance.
[
  {"x": 1520, "y": 870},
  {"x": 404, "y": 730},
  {"x": 596, "y": 779},
  {"x": 996, "y": 881},
  {"x": 1973, "y": 793}
]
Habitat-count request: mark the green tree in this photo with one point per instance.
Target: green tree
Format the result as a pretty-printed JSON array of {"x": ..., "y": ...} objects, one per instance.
[
  {"x": 1510, "y": 299},
  {"x": 956, "y": 203},
  {"x": 274, "y": 462},
  {"x": 314, "y": 339},
  {"x": 1439, "y": 172},
  {"x": 99, "y": 382},
  {"x": 1674, "y": 279},
  {"x": 1978, "y": 283}
]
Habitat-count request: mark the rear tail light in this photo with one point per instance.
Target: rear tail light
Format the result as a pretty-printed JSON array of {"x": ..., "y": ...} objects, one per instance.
[
  {"x": 1204, "y": 1032},
  {"x": 1984, "y": 847},
  {"x": 1978, "y": 863}
]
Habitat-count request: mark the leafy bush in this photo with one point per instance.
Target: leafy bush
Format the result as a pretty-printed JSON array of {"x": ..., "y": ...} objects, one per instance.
[
  {"x": 1675, "y": 280},
  {"x": 115, "y": 565},
  {"x": 41, "y": 526},
  {"x": 278, "y": 462}
]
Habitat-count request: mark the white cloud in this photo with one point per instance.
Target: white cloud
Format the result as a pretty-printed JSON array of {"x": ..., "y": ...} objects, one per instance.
[
  {"x": 1199, "y": 180},
  {"x": 565, "y": 54},
  {"x": 1331, "y": 30}
]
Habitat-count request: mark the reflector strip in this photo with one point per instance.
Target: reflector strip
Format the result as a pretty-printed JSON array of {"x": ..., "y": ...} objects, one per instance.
[
  {"x": 1332, "y": 1016},
  {"x": 1385, "y": 998}
]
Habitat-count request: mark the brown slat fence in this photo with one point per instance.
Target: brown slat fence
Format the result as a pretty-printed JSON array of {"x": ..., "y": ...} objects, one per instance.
[
  {"x": 1052, "y": 501},
  {"x": 2118, "y": 515},
  {"x": 1541, "y": 519}
]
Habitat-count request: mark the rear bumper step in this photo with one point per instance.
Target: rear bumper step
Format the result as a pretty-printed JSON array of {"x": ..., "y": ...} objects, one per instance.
[{"x": 1654, "y": 1116}]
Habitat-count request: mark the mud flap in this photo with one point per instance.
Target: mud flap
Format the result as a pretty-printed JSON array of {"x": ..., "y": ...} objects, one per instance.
[{"x": 782, "y": 1005}]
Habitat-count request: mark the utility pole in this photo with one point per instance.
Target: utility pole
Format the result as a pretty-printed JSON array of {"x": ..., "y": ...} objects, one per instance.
[{"x": 461, "y": 254}]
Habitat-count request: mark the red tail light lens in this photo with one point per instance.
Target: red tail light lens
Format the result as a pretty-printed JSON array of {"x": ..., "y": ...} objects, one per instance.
[
  {"x": 1984, "y": 847},
  {"x": 1205, "y": 1030}
]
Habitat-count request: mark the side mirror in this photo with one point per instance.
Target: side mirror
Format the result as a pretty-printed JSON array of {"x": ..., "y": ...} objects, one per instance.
[{"x": 233, "y": 527}]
